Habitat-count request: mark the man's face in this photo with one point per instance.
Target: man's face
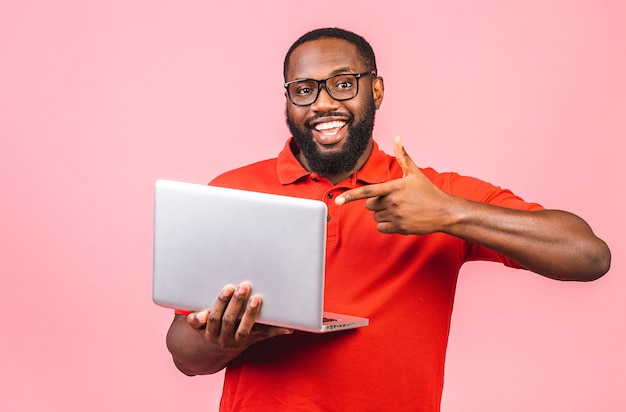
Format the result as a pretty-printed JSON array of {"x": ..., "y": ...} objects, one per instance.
[{"x": 334, "y": 137}]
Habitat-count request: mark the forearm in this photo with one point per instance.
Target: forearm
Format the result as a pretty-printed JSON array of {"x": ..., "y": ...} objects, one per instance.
[
  {"x": 194, "y": 355},
  {"x": 553, "y": 243}
]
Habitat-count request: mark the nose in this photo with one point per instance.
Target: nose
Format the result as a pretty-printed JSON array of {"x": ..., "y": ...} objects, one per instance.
[{"x": 324, "y": 101}]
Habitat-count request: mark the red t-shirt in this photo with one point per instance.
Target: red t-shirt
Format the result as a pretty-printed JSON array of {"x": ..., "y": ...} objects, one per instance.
[{"x": 404, "y": 284}]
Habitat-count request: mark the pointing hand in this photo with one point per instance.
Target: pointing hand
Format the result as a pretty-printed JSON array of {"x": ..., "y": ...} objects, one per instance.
[{"x": 409, "y": 205}]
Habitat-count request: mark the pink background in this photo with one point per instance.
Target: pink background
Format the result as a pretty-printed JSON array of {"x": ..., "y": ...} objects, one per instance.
[{"x": 98, "y": 99}]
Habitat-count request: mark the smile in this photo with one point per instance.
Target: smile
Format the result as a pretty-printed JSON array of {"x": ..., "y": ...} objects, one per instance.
[
  {"x": 330, "y": 133},
  {"x": 329, "y": 125}
]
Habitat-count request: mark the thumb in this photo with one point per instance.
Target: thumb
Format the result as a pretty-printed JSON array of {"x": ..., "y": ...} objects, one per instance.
[
  {"x": 407, "y": 165},
  {"x": 198, "y": 320}
]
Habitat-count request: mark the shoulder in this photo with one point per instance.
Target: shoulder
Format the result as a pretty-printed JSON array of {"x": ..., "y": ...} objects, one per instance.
[
  {"x": 249, "y": 176},
  {"x": 478, "y": 190}
]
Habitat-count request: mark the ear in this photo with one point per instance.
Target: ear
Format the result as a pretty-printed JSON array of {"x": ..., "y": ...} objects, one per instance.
[{"x": 378, "y": 89}]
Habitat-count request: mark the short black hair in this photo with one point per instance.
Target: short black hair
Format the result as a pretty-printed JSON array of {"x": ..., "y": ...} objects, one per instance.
[{"x": 365, "y": 50}]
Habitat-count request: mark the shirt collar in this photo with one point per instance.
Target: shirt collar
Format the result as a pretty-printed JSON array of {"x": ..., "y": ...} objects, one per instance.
[{"x": 375, "y": 169}]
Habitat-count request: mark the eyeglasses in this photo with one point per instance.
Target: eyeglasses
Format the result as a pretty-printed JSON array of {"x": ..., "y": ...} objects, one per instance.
[{"x": 304, "y": 92}]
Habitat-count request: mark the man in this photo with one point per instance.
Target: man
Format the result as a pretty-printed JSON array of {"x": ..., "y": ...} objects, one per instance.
[{"x": 393, "y": 257}]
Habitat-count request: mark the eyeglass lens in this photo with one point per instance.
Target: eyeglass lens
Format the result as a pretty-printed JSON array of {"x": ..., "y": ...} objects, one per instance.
[{"x": 340, "y": 87}]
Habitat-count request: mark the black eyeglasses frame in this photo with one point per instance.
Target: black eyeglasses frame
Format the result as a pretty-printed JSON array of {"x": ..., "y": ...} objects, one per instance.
[{"x": 323, "y": 82}]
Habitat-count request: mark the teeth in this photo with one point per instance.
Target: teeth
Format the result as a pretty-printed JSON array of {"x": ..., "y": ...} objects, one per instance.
[{"x": 329, "y": 125}]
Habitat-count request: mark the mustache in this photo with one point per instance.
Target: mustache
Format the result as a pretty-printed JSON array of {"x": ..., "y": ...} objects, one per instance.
[{"x": 317, "y": 116}]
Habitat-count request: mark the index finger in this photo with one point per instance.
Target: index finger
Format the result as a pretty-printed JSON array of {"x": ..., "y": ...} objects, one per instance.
[{"x": 364, "y": 192}]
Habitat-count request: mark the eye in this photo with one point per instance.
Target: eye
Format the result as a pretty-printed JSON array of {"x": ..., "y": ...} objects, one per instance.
[
  {"x": 303, "y": 88},
  {"x": 303, "y": 91},
  {"x": 343, "y": 83}
]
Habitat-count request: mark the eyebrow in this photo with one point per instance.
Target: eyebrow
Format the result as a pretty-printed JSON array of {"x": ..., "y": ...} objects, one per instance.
[{"x": 340, "y": 70}]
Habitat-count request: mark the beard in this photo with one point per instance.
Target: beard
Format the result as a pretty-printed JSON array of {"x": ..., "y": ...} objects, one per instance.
[{"x": 344, "y": 160}]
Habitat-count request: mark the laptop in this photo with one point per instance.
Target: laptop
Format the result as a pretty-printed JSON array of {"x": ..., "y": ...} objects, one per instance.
[{"x": 207, "y": 237}]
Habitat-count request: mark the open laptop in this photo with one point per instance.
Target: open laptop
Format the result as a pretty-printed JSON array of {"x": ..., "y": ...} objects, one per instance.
[{"x": 207, "y": 237}]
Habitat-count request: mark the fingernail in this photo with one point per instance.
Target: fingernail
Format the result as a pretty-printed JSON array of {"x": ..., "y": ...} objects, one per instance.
[
  {"x": 242, "y": 289},
  {"x": 340, "y": 200},
  {"x": 254, "y": 302},
  {"x": 228, "y": 291},
  {"x": 202, "y": 316}
]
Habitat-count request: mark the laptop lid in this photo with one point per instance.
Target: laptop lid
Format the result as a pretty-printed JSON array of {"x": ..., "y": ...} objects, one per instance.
[{"x": 207, "y": 237}]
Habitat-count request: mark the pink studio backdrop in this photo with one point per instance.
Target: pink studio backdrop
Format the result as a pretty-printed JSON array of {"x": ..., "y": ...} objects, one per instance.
[{"x": 99, "y": 99}]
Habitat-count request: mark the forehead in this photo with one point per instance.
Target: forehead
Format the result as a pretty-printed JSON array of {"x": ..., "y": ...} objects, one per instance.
[{"x": 321, "y": 58}]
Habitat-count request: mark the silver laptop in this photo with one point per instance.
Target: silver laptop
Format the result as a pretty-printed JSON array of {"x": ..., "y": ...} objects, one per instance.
[{"x": 208, "y": 237}]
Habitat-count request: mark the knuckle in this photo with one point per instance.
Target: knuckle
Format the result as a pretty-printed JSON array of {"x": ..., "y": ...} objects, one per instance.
[
  {"x": 366, "y": 191},
  {"x": 228, "y": 321},
  {"x": 241, "y": 296},
  {"x": 224, "y": 299},
  {"x": 242, "y": 335},
  {"x": 237, "y": 301},
  {"x": 402, "y": 230},
  {"x": 251, "y": 312},
  {"x": 214, "y": 319}
]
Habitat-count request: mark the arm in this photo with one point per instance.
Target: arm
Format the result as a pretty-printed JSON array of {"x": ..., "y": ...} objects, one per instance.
[
  {"x": 553, "y": 243},
  {"x": 205, "y": 342}
]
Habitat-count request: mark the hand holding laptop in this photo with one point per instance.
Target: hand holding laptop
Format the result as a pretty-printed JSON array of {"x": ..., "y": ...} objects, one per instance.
[
  {"x": 212, "y": 338},
  {"x": 229, "y": 332}
]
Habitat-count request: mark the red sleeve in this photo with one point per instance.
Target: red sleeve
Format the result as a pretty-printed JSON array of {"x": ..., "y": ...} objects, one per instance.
[{"x": 479, "y": 191}]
